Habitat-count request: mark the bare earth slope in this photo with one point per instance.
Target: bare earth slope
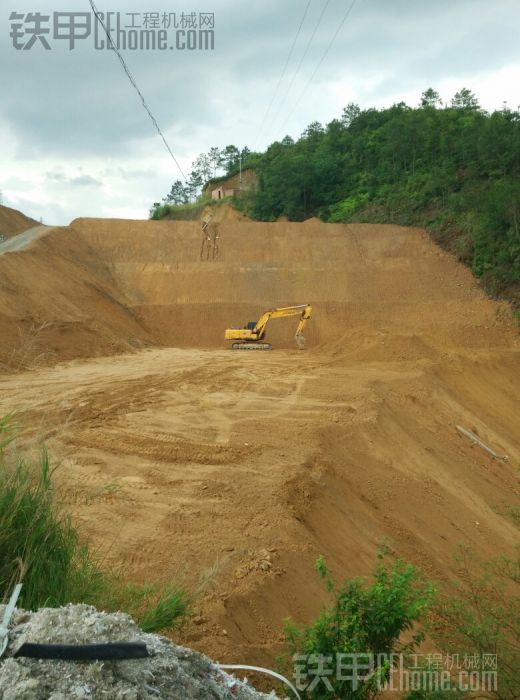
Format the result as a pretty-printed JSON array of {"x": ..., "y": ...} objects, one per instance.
[
  {"x": 13, "y": 221},
  {"x": 58, "y": 300},
  {"x": 180, "y": 457}
]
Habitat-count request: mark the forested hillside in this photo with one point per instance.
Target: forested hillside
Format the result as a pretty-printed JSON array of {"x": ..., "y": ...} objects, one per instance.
[{"x": 454, "y": 169}]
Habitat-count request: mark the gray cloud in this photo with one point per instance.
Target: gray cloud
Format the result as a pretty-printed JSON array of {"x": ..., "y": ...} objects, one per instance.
[
  {"x": 56, "y": 176},
  {"x": 85, "y": 181},
  {"x": 66, "y": 109},
  {"x": 80, "y": 100}
]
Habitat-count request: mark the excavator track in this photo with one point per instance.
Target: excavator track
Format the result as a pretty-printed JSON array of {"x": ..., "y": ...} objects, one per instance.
[{"x": 251, "y": 346}]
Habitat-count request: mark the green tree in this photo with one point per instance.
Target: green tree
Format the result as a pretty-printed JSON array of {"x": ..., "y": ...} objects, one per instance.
[
  {"x": 465, "y": 99},
  {"x": 350, "y": 113},
  {"x": 229, "y": 158},
  {"x": 194, "y": 184},
  {"x": 177, "y": 194},
  {"x": 246, "y": 154},
  {"x": 314, "y": 131},
  {"x": 203, "y": 167},
  {"x": 430, "y": 98},
  {"x": 214, "y": 159}
]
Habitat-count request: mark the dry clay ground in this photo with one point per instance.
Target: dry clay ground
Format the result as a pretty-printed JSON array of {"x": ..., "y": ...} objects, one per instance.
[{"x": 180, "y": 457}]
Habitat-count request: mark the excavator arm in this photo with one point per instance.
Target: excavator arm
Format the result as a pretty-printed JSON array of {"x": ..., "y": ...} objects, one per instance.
[
  {"x": 255, "y": 332},
  {"x": 298, "y": 336}
]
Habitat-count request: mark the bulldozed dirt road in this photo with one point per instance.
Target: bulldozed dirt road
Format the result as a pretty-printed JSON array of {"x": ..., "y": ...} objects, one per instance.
[{"x": 178, "y": 456}]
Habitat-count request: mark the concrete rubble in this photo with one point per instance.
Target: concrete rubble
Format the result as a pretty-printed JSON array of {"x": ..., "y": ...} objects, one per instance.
[{"x": 170, "y": 672}]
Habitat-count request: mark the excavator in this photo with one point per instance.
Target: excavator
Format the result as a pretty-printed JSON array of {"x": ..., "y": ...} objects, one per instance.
[{"x": 251, "y": 336}]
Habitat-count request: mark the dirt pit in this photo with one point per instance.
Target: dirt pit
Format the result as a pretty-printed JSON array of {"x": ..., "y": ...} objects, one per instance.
[{"x": 181, "y": 458}]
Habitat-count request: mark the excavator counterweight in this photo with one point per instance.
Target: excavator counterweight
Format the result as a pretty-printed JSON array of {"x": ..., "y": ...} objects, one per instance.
[{"x": 251, "y": 336}]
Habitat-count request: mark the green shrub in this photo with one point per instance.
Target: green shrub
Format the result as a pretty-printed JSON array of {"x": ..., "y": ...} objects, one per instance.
[
  {"x": 364, "y": 618},
  {"x": 342, "y": 211},
  {"x": 480, "y": 614}
]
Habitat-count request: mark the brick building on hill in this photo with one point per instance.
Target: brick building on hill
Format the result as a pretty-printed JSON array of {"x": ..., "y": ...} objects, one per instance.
[{"x": 229, "y": 186}]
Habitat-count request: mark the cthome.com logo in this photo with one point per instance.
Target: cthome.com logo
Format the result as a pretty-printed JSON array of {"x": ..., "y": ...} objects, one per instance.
[
  {"x": 439, "y": 673},
  {"x": 133, "y": 31}
]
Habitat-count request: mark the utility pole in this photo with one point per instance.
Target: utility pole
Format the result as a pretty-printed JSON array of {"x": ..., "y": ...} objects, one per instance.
[{"x": 240, "y": 161}]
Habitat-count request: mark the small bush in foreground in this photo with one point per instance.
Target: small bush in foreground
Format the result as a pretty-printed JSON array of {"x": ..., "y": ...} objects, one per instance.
[
  {"x": 364, "y": 618},
  {"x": 40, "y": 546}
]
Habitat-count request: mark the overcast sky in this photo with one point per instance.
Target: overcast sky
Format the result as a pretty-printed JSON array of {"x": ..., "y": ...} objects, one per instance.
[{"x": 76, "y": 141}]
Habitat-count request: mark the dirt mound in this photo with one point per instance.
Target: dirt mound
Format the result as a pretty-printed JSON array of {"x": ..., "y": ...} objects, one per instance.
[
  {"x": 223, "y": 212},
  {"x": 13, "y": 221},
  {"x": 58, "y": 301},
  {"x": 170, "y": 672},
  {"x": 195, "y": 458},
  {"x": 112, "y": 285},
  {"x": 359, "y": 279}
]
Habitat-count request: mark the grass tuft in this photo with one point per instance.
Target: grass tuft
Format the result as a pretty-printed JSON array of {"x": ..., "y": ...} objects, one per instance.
[{"x": 40, "y": 546}]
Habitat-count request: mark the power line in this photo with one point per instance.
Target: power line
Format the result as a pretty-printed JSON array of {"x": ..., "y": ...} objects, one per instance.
[
  {"x": 289, "y": 56},
  {"x": 320, "y": 62},
  {"x": 133, "y": 82},
  {"x": 302, "y": 59}
]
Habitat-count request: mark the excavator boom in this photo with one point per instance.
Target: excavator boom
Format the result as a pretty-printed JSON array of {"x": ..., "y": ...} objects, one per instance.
[{"x": 251, "y": 336}]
